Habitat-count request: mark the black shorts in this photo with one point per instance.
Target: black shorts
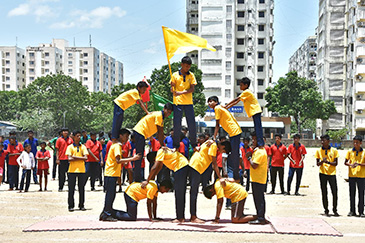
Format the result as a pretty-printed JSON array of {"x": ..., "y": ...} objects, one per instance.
[{"x": 237, "y": 209}]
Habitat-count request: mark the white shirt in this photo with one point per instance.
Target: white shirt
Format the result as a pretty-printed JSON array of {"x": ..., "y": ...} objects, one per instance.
[{"x": 27, "y": 160}]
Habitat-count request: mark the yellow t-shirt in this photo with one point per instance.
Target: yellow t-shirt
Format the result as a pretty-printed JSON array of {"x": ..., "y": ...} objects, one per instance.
[
  {"x": 227, "y": 121},
  {"x": 172, "y": 160},
  {"x": 127, "y": 99},
  {"x": 259, "y": 175},
  {"x": 183, "y": 84},
  {"x": 358, "y": 171},
  {"x": 232, "y": 190},
  {"x": 112, "y": 168},
  {"x": 76, "y": 166},
  {"x": 330, "y": 154},
  {"x": 137, "y": 193},
  {"x": 147, "y": 126},
  {"x": 250, "y": 103},
  {"x": 202, "y": 159}
]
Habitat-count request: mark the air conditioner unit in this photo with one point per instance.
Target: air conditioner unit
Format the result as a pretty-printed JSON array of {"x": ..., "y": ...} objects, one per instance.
[
  {"x": 362, "y": 40},
  {"x": 359, "y": 60},
  {"x": 358, "y": 97},
  {"x": 358, "y": 77},
  {"x": 359, "y": 111}
]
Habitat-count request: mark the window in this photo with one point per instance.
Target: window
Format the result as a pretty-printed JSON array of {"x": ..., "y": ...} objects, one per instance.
[
  {"x": 192, "y": 15},
  {"x": 31, "y": 62},
  {"x": 262, "y": 14},
  {"x": 85, "y": 54},
  {"x": 31, "y": 54},
  {"x": 46, "y": 54},
  {"x": 240, "y": 55},
  {"x": 261, "y": 1},
  {"x": 241, "y": 14},
  {"x": 260, "y": 68},
  {"x": 240, "y": 41},
  {"x": 86, "y": 62},
  {"x": 7, "y": 62},
  {"x": 46, "y": 62},
  {"x": 260, "y": 41},
  {"x": 31, "y": 78},
  {"x": 194, "y": 29},
  {"x": 69, "y": 62},
  {"x": 239, "y": 68},
  {"x": 260, "y": 96},
  {"x": 260, "y": 55},
  {"x": 260, "y": 82},
  {"x": 70, "y": 70},
  {"x": 261, "y": 27},
  {"x": 241, "y": 1},
  {"x": 8, "y": 86},
  {"x": 229, "y": 24},
  {"x": 85, "y": 70},
  {"x": 85, "y": 78},
  {"x": 7, "y": 54},
  {"x": 227, "y": 93},
  {"x": 240, "y": 28},
  {"x": 228, "y": 79},
  {"x": 7, "y": 78},
  {"x": 7, "y": 70},
  {"x": 69, "y": 55},
  {"x": 229, "y": 9},
  {"x": 46, "y": 70},
  {"x": 228, "y": 66}
]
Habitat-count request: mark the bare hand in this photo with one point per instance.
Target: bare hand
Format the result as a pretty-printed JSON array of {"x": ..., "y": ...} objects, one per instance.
[
  {"x": 57, "y": 161},
  {"x": 210, "y": 142},
  {"x": 196, "y": 149},
  {"x": 223, "y": 182},
  {"x": 144, "y": 184},
  {"x": 248, "y": 154},
  {"x": 23, "y": 166},
  {"x": 136, "y": 157}
]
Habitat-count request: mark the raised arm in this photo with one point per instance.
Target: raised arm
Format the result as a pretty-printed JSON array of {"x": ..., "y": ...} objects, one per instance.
[
  {"x": 142, "y": 105},
  {"x": 232, "y": 103}
]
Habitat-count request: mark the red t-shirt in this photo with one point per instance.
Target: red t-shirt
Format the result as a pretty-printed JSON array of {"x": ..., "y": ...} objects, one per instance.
[
  {"x": 61, "y": 145},
  {"x": 14, "y": 149},
  {"x": 155, "y": 144},
  {"x": 143, "y": 164},
  {"x": 3, "y": 154},
  {"x": 182, "y": 148},
  {"x": 278, "y": 153},
  {"x": 108, "y": 145},
  {"x": 245, "y": 160},
  {"x": 43, "y": 164},
  {"x": 219, "y": 159},
  {"x": 95, "y": 148},
  {"x": 296, "y": 154},
  {"x": 126, "y": 147}
]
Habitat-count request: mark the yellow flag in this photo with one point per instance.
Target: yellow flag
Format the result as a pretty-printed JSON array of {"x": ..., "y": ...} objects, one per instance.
[{"x": 177, "y": 42}]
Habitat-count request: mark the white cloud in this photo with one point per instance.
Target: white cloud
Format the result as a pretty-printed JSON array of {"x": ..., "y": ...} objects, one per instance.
[
  {"x": 37, "y": 8},
  {"x": 22, "y": 9},
  {"x": 154, "y": 47},
  {"x": 94, "y": 18}
]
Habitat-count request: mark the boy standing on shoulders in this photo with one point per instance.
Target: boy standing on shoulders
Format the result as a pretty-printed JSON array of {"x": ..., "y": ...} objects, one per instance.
[
  {"x": 296, "y": 155},
  {"x": 327, "y": 159},
  {"x": 77, "y": 154},
  {"x": 43, "y": 156},
  {"x": 355, "y": 160}
]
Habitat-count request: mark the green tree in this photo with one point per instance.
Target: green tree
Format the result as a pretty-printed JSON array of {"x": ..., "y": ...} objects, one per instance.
[
  {"x": 160, "y": 84},
  {"x": 338, "y": 135},
  {"x": 37, "y": 120},
  {"x": 298, "y": 97},
  {"x": 101, "y": 107},
  {"x": 9, "y": 105}
]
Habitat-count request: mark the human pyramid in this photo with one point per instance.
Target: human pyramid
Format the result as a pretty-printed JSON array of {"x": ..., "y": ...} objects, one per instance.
[{"x": 227, "y": 158}]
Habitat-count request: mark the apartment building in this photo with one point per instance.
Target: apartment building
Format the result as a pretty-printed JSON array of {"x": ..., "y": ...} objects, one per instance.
[{"x": 12, "y": 68}]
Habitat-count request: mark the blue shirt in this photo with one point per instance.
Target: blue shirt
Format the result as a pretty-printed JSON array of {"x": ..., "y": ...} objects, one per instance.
[
  {"x": 186, "y": 142},
  {"x": 132, "y": 145},
  {"x": 6, "y": 143},
  {"x": 103, "y": 151},
  {"x": 33, "y": 144},
  {"x": 169, "y": 142}
]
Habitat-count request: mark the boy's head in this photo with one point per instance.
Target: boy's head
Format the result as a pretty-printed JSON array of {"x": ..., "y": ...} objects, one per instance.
[
  {"x": 93, "y": 136},
  {"x": 225, "y": 147},
  {"x": 222, "y": 138},
  {"x": 325, "y": 140},
  {"x": 201, "y": 138},
  {"x": 296, "y": 138},
  {"x": 151, "y": 157},
  {"x": 245, "y": 83},
  {"x": 167, "y": 109},
  {"x": 30, "y": 134},
  {"x": 84, "y": 133},
  {"x": 184, "y": 130},
  {"x": 186, "y": 64},
  {"x": 76, "y": 136},
  {"x": 207, "y": 135},
  {"x": 165, "y": 186},
  {"x": 132, "y": 138},
  {"x": 213, "y": 101},
  {"x": 101, "y": 134},
  {"x": 142, "y": 87},
  {"x": 110, "y": 135},
  {"x": 12, "y": 133},
  {"x": 357, "y": 142},
  {"x": 246, "y": 141},
  {"x": 43, "y": 145},
  {"x": 172, "y": 132},
  {"x": 209, "y": 191},
  {"x": 12, "y": 139},
  {"x": 27, "y": 147},
  {"x": 102, "y": 140},
  {"x": 124, "y": 135},
  {"x": 254, "y": 139},
  {"x": 277, "y": 138},
  {"x": 64, "y": 132}
]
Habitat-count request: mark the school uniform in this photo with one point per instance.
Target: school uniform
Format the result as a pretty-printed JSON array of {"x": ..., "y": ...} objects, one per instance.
[
  {"x": 43, "y": 165},
  {"x": 356, "y": 179},
  {"x": 92, "y": 164},
  {"x": 34, "y": 144},
  {"x": 26, "y": 159},
  {"x": 54, "y": 166},
  {"x": 246, "y": 164},
  {"x": 258, "y": 181},
  {"x": 230, "y": 125},
  {"x": 253, "y": 109},
  {"x": 327, "y": 173},
  {"x": 296, "y": 153},
  {"x": 144, "y": 129},
  {"x": 13, "y": 165},
  {"x": 169, "y": 141},
  {"x": 277, "y": 165},
  {"x": 121, "y": 103},
  {"x": 76, "y": 170},
  {"x": 183, "y": 103},
  {"x": 178, "y": 163},
  {"x": 61, "y": 145},
  {"x": 200, "y": 164}
]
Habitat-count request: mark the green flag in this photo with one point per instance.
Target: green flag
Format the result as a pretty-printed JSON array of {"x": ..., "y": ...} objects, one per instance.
[{"x": 159, "y": 102}]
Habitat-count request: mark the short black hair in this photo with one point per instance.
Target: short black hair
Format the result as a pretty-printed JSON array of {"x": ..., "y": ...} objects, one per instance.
[
  {"x": 208, "y": 191},
  {"x": 297, "y": 136},
  {"x": 358, "y": 138},
  {"x": 142, "y": 84},
  {"x": 213, "y": 98},
  {"x": 101, "y": 138},
  {"x": 12, "y": 137},
  {"x": 92, "y": 133},
  {"x": 64, "y": 129},
  {"x": 187, "y": 60},
  {"x": 207, "y": 134},
  {"x": 245, "y": 80},
  {"x": 168, "y": 106},
  {"x": 222, "y": 137},
  {"x": 325, "y": 137},
  {"x": 30, "y": 131},
  {"x": 26, "y": 145},
  {"x": 83, "y": 131},
  {"x": 76, "y": 132},
  {"x": 110, "y": 134},
  {"x": 43, "y": 143},
  {"x": 227, "y": 146},
  {"x": 12, "y": 133},
  {"x": 278, "y": 135},
  {"x": 248, "y": 139},
  {"x": 184, "y": 128},
  {"x": 201, "y": 135},
  {"x": 167, "y": 183},
  {"x": 253, "y": 134},
  {"x": 151, "y": 156},
  {"x": 124, "y": 131},
  {"x": 171, "y": 130},
  {"x": 101, "y": 134}
]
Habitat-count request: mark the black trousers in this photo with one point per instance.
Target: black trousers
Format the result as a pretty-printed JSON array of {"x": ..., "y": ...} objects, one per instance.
[
  {"x": 360, "y": 183},
  {"x": 258, "y": 192},
  {"x": 71, "y": 189},
  {"x": 274, "y": 171},
  {"x": 331, "y": 179},
  {"x": 62, "y": 170}
]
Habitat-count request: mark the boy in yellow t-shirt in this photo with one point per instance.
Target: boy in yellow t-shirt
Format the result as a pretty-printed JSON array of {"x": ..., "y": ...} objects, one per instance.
[
  {"x": 123, "y": 102},
  {"x": 327, "y": 159},
  {"x": 112, "y": 173},
  {"x": 135, "y": 193},
  {"x": 252, "y": 108},
  {"x": 228, "y": 188},
  {"x": 77, "y": 154},
  {"x": 355, "y": 160},
  {"x": 225, "y": 119},
  {"x": 182, "y": 88}
]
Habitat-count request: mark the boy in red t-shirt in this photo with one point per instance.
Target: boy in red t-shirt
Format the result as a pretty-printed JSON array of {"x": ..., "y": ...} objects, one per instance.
[
  {"x": 42, "y": 157},
  {"x": 279, "y": 154},
  {"x": 2, "y": 161},
  {"x": 245, "y": 149},
  {"x": 94, "y": 148},
  {"x": 296, "y": 155},
  {"x": 14, "y": 150}
]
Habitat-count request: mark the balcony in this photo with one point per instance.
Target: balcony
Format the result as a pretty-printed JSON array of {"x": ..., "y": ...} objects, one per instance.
[
  {"x": 360, "y": 105},
  {"x": 360, "y": 87},
  {"x": 359, "y": 123},
  {"x": 360, "y": 69}
]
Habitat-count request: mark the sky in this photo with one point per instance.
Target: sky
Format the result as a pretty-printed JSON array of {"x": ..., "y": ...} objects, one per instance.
[{"x": 130, "y": 31}]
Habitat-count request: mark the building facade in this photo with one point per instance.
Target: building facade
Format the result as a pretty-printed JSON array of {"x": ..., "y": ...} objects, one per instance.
[
  {"x": 12, "y": 68},
  {"x": 242, "y": 33}
]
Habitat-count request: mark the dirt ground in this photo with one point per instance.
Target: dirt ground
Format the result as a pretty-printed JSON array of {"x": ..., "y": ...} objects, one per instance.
[{"x": 20, "y": 210}]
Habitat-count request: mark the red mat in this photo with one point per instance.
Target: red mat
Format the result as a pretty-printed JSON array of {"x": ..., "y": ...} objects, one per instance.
[
  {"x": 303, "y": 226},
  {"x": 65, "y": 223}
]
